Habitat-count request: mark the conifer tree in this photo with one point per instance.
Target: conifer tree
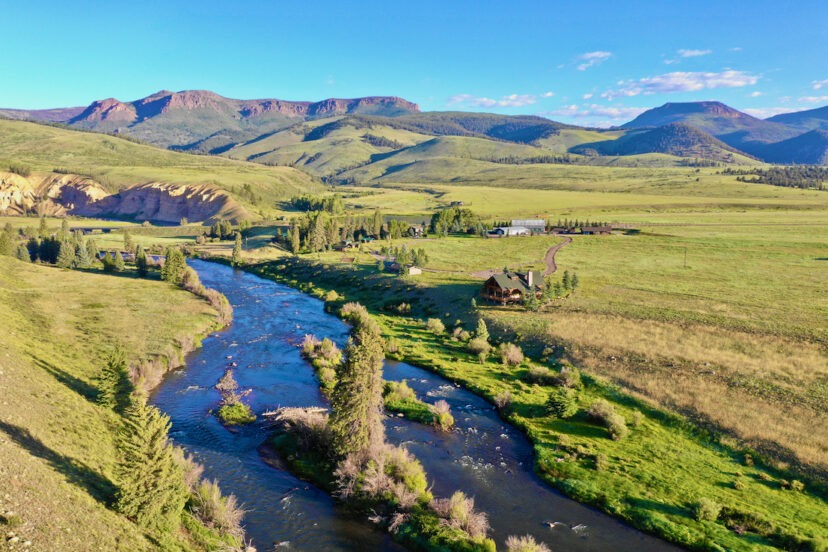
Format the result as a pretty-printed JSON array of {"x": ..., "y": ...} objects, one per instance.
[
  {"x": 141, "y": 263},
  {"x": 6, "y": 244},
  {"x": 566, "y": 282},
  {"x": 295, "y": 242},
  {"x": 356, "y": 421},
  {"x": 43, "y": 230},
  {"x": 482, "y": 330},
  {"x": 237, "y": 251},
  {"x": 93, "y": 250},
  {"x": 376, "y": 225},
  {"x": 574, "y": 282},
  {"x": 66, "y": 255},
  {"x": 174, "y": 265},
  {"x": 64, "y": 230},
  {"x": 129, "y": 245},
  {"x": 108, "y": 262},
  {"x": 23, "y": 254},
  {"x": 112, "y": 381},
  {"x": 82, "y": 257},
  {"x": 118, "y": 264},
  {"x": 150, "y": 479}
]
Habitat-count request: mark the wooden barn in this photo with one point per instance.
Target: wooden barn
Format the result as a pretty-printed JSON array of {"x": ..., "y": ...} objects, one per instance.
[{"x": 513, "y": 287}]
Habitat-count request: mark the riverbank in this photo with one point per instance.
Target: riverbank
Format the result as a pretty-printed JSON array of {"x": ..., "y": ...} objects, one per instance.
[
  {"x": 653, "y": 479},
  {"x": 58, "y": 453}
]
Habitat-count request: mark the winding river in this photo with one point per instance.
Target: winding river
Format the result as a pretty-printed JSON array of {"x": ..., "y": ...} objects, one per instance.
[{"x": 483, "y": 456}]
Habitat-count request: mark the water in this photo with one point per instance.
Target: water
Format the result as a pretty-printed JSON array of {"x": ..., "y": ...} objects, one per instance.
[{"x": 483, "y": 456}]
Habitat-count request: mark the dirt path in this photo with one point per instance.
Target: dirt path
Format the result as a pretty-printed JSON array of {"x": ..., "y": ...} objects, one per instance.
[{"x": 551, "y": 267}]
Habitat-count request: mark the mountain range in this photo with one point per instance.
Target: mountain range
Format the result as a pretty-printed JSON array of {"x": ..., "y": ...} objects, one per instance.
[{"x": 339, "y": 138}]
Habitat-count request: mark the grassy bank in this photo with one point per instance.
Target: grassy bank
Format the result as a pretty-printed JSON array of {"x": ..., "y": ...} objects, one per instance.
[
  {"x": 654, "y": 478},
  {"x": 57, "y": 446}
]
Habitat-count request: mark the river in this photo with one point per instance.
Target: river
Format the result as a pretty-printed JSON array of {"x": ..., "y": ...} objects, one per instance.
[{"x": 482, "y": 456}]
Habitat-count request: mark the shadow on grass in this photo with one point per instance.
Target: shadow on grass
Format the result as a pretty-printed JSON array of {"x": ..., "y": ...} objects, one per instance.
[
  {"x": 76, "y": 472},
  {"x": 82, "y": 388}
]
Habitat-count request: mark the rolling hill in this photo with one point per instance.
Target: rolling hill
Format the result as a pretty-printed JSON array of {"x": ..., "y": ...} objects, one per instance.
[
  {"x": 679, "y": 139},
  {"x": 812, "y": 119},
  {"x": 810, "y": 148},
  {"x": 139, "y": 181}
]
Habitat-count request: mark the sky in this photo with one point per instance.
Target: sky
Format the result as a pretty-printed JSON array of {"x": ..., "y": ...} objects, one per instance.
[{"x": 591, "y": 63}]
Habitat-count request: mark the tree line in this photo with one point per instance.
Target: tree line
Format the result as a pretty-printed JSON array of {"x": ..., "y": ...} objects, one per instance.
[{"x": 797, "y": 176}]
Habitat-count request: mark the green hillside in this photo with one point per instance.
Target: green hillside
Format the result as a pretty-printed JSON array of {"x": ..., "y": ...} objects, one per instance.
[
  {"x": 119, "y": 163},
  {"x": 57, "y": 446}
]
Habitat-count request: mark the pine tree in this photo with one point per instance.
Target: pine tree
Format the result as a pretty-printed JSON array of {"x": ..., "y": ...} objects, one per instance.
[
  {"x": 129, "y": 245},
  {"x": 82, "y": 257},
  {"x": 43, "y": 230},
  {"x": 64, "y": 230},
  {"x": 174, "y": 265},
  {"x": 566, "y": 282},
  {"x": 92, "y": 248},
  {"x": 119, "y": 264},
  {"x": 295, "y": 242},
  {"x": 66, "y": 255},
  {"x": 141, "y": 263},
  {"x": 6, "y": 244},
  {"x": 574, "y": 282},
  {"x": 376, "y": 225},
  {"x": 112, "y": 381},
  {"x": 356, "y": 420},
  {"x": 237, "y": 251},
  {"x": 108, "y": 262},
  {"x": 482, "y": 330},
  {"x": 150, "y": 479}
]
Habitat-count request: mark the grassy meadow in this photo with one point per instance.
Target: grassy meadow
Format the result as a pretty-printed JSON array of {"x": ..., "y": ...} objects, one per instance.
[{"x": 57, "y": 446}]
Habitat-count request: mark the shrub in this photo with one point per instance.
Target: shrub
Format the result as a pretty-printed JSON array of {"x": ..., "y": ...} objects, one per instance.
[
  {"x": 510, "y": 354},
  {"x": 331, "y": 296},
  {"x": 570, "y": 377},
  {"x": 458, "y": 512},
  {"x": 541, "y": 375},
  {"x": 479, "y": 346},
  {"x": 460, "y": 334},
  {"x": 221, "y": 513},
  {"x": 601, "y": 462},
  {"x": 602, "y": 412},
  {"x": 707, "y": 510},
  {"x": 435, "y": 326},
  {"x": 739, "y": 484},
  {"x": 399, "y": 392},
  {"x": 526, "y": 543},
  {"x": 637, "y": 418},
  {"x": 797, "y": 485},
  {"x": 20, "y": 169},
  {"x": 740, "y": 522},
  {"x": 442, "y": 415},
  {"x": 562, "y": 402},
  {"x": 392, "y": 345},
  {"x": 503, "y": 400},
  {"x": 235, "y": 414},
  {"x": 308, "y": 425}
]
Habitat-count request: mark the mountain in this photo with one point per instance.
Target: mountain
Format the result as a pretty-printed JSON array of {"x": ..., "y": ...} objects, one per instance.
[
  {"x": 810, "y": 148},
  {"x": 679, "y": 139},
  {"x": 736, "y": 129},
  {"x": 201, "y": 120},
  {"x": 812, "y": 119},
  {"x": 59, "y": 115}
]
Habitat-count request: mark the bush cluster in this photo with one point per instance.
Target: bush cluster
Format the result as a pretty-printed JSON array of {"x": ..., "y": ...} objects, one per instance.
[{"x": 603, "y": 412}]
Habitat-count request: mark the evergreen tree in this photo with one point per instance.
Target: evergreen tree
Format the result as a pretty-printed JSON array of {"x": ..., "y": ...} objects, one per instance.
[
  {"x": 566, "y": 282},
  {"x": 574, "y": 282},
  {"x": 33, "y": 246},
  {"x": 6, "y": 244},
  {"x": 174, "y": 266},
  {"x": 141, "y": 263},
  {"x": 112, "y": 382},
  {"x": 64, "y": 230},
  {"x": 82, "y": 257},
  {"x": 237, "y": 251},
  {"x": 119, "y": 265},
  {"x": 295, "y": 242},
  {"x": 92, "y": 249},
  {"x": 129, "y": 245},
  {"x": 150, "y": 479},
  {"x": 317, "y": 235},
  {"x": 376, "y": 225},
  {"x": 23, "y": 253},
  {"x": 356, "y": 420},
  {"x": 43, "y": 230},
  {"x": 66, "y": 255},
  {"x": 108, "y": 262},
  {"x": 482, "y": 330}
]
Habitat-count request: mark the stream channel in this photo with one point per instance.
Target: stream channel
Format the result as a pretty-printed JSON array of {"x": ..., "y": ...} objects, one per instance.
[{"x": 483, "y": 456}]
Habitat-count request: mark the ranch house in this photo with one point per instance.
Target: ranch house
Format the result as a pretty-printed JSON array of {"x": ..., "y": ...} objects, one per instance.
[{"x": 512, "y": 287}]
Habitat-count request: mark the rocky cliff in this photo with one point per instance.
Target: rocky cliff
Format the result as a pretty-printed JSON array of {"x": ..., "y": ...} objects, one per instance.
[{"x": 61, "y": 195}]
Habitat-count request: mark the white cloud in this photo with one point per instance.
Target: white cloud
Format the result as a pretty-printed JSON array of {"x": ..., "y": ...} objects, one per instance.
[
  {"x": 547, "y": 94},
  {"x": 588, "y": 96},
  {"x": 591, "y": 59},
  {"x": 736, "y": 49},
  {"x": 756, "y": 94},
  {"x": 814, "y": 99},
  {"x": 694, "y": 53},
  {"x": 681, "y": 81},
  {"x": 596, "y": 115},
  {"x": 512, "y": 100},
  {"x": 765, "y": 112},
  {"x": 818, "y": 85}
]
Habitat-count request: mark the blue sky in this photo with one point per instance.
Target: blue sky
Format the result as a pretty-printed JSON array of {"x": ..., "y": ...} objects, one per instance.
[{"x": 588, "y": 63}]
